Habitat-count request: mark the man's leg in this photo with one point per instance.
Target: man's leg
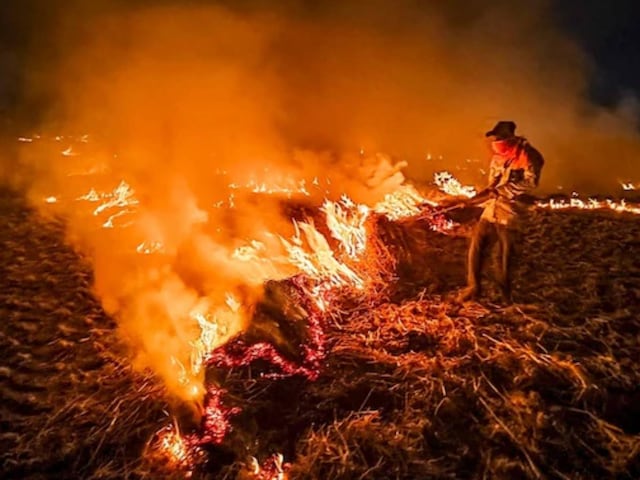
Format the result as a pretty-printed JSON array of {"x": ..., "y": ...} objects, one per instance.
[
  {"x": 475, "y": 259},
  {"x": 505, "y": 266}
]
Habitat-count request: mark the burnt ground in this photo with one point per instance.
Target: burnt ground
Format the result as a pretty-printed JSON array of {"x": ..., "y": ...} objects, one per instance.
[{"x": 414, "y": 386}]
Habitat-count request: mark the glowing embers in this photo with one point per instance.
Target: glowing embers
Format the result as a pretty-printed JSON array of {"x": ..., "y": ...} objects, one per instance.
[
  {"x": 216, "y": 419},
  {"x": 309, "y": 348},
  {"x": 273, "y": 468},
  {"x": 450, "y": 185},
  {"x": 185, "y": 452}
]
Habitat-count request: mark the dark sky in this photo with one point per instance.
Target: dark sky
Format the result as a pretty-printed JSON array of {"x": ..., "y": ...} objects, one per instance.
[
  {"x": 607, "y": 31},
  {"x": 610, "y": 34}
]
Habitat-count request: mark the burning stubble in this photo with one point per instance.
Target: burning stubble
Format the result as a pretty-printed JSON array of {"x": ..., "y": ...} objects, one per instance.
[{"x": 209, "y": 121}]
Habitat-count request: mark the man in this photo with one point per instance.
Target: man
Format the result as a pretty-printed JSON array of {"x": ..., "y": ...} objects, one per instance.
[{"x": 515, "y": 170}]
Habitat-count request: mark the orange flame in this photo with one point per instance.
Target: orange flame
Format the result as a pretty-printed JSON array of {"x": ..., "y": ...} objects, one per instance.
[
  {"x": 590, "y": 204},
  {"x": 450, "y": 185},
  {"x": 174, "y": 447}
]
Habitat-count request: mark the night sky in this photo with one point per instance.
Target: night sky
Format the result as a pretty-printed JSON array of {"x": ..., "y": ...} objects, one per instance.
[{"x": 607, "y": 31}]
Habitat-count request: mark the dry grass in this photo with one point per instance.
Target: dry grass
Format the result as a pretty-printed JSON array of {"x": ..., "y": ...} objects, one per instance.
[
  {"x": 416, "y": 386},
  {"x": 413, "y": 386}
]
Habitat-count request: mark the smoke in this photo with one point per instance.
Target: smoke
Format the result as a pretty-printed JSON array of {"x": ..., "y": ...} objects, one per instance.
[{"x": 186, "y": 100}]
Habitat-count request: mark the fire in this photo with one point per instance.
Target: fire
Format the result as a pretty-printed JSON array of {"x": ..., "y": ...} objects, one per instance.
[
  {"x": 51, "y": 199},
  {"x": 68, "y": 152},
  {"x": 214, "y": 330},
  {"x": 318, "y": 260},
  {"x": 122, "y": 196},
  {"x": 346, "y": 221},
  {"x": 404, "y": 202},
  {"x": 590, "y": 204},
  {"x": 450, "y": 185},
  {"x": 288, "y": 187},
  {"x": 252, "y": 252},
  {"x": 175, "y": 447},
  {"x": 273, "y": 468},
  {"x": 148, "y": 248},
  {"x": 629, "y": 186}
]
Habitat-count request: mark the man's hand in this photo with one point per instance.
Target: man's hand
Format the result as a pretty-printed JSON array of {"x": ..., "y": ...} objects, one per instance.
[{"x": 482, "y": 196}]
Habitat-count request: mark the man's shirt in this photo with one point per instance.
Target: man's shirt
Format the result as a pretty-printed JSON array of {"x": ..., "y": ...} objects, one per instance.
[{"x": 515, "y": 170}]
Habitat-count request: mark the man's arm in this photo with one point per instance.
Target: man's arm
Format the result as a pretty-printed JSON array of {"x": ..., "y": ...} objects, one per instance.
[{"x": 495, "y": 176}]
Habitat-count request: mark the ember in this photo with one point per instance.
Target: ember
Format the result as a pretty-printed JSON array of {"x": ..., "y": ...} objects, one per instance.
[{"x": 273, "y": 468}]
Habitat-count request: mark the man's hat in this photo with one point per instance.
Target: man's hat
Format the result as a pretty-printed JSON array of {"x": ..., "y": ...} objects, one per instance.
[{"x": 503, "y": 129}]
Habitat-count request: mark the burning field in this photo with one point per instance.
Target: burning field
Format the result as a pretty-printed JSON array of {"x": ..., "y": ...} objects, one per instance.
[
  {"x": 209, "y": 271},
  {"x": 347, "y": 357}
]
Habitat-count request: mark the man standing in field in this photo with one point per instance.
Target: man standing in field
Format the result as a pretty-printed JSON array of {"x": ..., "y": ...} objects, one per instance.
[{"x": 514, "y": 171}]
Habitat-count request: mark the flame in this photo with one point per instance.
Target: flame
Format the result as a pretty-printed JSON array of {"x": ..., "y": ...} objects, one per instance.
[
  {"x": 590, "y": 204},
  {"x": 346, "y": 221},
  {"x": 252, "y": 252},
  {"x": 68, "y": 152},
  {"x": 174, "y": 447},
  {"x": 450, "y": 185},
  {"x": 404, "y": 202},
  {"x": 109, "y": 221},
  {"x": 318, "y": 260},
  {"x": 273, "y": 468},
  {"x": 147, "y": 248},
  {"x": 629, "y": 186},
  {"x": 288, "y": 187},
  {"x": 122, "y": 196},
  {"x": 51, "y": 199}
]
